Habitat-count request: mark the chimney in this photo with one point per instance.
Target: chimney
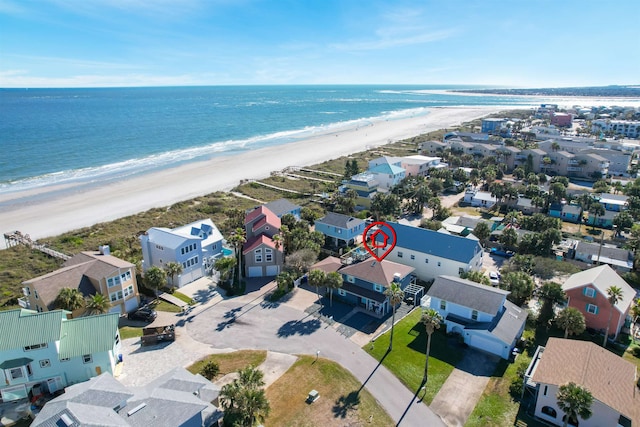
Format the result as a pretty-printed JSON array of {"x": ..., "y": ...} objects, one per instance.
[{"x": 104, "y": 250}]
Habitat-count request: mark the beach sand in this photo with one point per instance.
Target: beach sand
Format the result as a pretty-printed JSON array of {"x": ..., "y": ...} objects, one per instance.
[{"x": 54, "y": 210}]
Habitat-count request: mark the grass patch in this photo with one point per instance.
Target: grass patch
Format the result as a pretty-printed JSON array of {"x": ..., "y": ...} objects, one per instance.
[
  {"x": 183, "y": 297},
  {"x": 231, "y": 362},
  {"x": 341, "y": 402},
  {"x": 407, "y": 359},
  {"x": 161, "y": 305},
  {"x": 130, "y": 332}
]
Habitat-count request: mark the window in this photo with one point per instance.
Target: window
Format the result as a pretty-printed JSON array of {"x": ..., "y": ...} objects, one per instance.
[
  {"x": 16, "y": 373},
  {"x": 35, "y": 346},
  {"x": 549, "y": 411},
  {"x": 268, "y": 255},
  {"x": 258, "y": 255},
  {"x": 87, "y": 358},
  {"x": 45, "y": 363},
  {"x": 439, "y": 264},
  {"x": 128, "y": 291},
  {"x": 474, "y": 315},
  {"x": 350, "y": 279},
  {"x": 589, "y": 292},
  {"x": 35, "y": 293},
  {"x": 400, "y": 254},
  {"x": 65, "y": 359},
  {"x": 377, "y": 288},
  {"x": 443, "y": 305},
  {"x": 182, "y": 251},
  {"x": 545, "y": 390},
  {"x": 426, "y": 260},
  {"x": 413, "y": 257},
  {"x": 593, "y": 309},
  {"x": 113, "y": 296},
  {"x": 342, "y": 292},
  {"x": 460, "y": 270}
]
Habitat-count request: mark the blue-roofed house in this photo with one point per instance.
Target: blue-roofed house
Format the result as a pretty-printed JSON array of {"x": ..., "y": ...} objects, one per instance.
[
  {"x": 433, "y": 254},
  {"x": 341, "y": 230},
  {"x": 388, "y": 175},
  {"x": 480, "y": 314},
  {"x": 194, "y": 246},
  {"x": 49, "y": 350}
]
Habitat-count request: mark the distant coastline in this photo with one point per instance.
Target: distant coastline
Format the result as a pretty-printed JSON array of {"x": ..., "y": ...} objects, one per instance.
[{"x": 630, "y": 91}]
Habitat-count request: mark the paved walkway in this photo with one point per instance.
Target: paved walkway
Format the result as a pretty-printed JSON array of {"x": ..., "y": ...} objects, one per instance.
[{"x": 463, "y": 388}]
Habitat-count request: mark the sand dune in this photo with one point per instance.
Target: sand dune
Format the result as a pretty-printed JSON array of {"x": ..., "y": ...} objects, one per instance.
[{"x": 53, "y": 210}]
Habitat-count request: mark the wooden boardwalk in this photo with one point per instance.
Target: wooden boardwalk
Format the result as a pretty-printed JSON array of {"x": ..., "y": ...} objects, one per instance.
[{"x": 18, "y": 238}]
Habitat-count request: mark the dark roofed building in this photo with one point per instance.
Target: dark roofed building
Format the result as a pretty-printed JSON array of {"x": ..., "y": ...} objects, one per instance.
[{"x": 282, "y": 207}]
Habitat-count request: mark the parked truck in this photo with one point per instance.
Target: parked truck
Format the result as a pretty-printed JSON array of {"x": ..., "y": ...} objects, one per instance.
[{"x": 158, "y": 334}]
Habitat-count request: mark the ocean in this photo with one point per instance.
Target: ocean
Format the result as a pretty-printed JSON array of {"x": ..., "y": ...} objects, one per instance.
[{"x": 55, "y": 136}]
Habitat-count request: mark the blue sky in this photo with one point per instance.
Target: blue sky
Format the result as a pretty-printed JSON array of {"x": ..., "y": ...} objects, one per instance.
[{"x": 520, "y": 43}]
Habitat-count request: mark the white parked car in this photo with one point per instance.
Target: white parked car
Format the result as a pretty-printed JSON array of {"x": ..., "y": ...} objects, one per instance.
[{"x": 494, "y": 278}]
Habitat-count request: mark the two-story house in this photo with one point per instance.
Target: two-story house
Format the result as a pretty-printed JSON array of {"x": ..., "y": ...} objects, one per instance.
[
  {"x": 388, "y": 175},
  {"x": 339, "y": 229},
  {"x": 481, "y": 314},
  {"x": 366, "y": 187},
  {"x": 89, "y": 272},
  {"x": 480, "y": 199},
  {"x": 432, "y": 253},
  {"x": 48, "y": 351},
  {"x": 365, "y": 283},
  {"x": 263, "y": 257},
  {"x": 193, "y": 245},
  {"x": 610, "y": 379},
  {"x": 587, "y": 291}
]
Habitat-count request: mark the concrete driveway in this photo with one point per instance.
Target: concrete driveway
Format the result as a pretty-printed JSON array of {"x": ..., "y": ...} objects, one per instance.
[{"x": 462, "y": 389}]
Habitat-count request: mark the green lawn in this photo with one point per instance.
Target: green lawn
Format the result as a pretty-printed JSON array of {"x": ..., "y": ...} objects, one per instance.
[
  {"x": 130, "y": 332},
  {"x": 183, "y": 297},
  {"x": 161, "y": 305},
  {"x": 407, "y": 359},
  {"x": 231, "y": 362}
]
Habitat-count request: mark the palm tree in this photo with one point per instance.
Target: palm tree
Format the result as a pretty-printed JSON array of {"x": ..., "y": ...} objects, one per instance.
[
  {"x": 225, "y": 265},
  {"x": 97, "y": 304},
  {"x": 615, "y": 295},
  {"x": 244, "y": 400},
  {"x": 155, "y": 278},
  {"x": 551, "y": 293},
  {"x": 574, "y": 401},
  {"x": 255, "y": 407},
  {"x": 571, "y": 320},
  {"x": 333, "y": 281},
  {"x": 597, "y": 210},
  {"x": 237, "y": 239},
  {"x": 431, "y": 320},
  {"x": 69, "y": 299},
  {"x": 173, "y": 269},
  {"x": 395, "y": 294},
  {"x": 317, "y": 278}
]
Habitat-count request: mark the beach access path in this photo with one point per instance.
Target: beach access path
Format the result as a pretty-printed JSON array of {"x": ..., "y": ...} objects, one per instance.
[{"x": 53, "y": 210}]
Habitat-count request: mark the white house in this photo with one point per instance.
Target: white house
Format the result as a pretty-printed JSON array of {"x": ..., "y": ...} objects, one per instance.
[
  {"x": 480, "y": 314},
  {"x": 48, "y": 351},
  {"x": 432, "y": 254},
  {"x": 194, "y": 246},
  {"x": 387, "y": 175},
  {"x": 610, "y": 379},
  {"x": 482, "y": 199}
]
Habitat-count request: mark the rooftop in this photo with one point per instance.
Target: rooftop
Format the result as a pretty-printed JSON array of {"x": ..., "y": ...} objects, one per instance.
[
  {"x": 468, "y": 294},
  {"x": 602, "y": 277}
]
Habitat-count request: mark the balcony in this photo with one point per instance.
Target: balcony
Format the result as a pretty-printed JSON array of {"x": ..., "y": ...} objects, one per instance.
[
  {"x": 24, "y": 303},
  {"x": 573, "y": 169}
]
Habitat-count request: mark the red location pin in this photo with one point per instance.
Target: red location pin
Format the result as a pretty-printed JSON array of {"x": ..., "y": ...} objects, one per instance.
[{"x": 379, "y": 237}]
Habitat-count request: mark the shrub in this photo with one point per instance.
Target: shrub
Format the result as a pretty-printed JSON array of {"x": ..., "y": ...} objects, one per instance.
[{"x": 210, "y": 370}]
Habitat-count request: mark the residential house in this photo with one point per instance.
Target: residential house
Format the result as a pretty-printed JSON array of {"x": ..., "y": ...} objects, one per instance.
[
  {"x": 466, "y": 136},
  {"x": 612, "y": 202},
  {"x": 283, "y": 207},
  {"x": 610, "y": 379},
  {"x": 628, "y": 128},
  {"x": 90, "y": 272},
  {"x": 176, "y": 399},
  {"x": 561, "y": 119},
  {"x": 365, "y": 185},
  {"x": 195, "y": 246},
  {"x": 387, "y": 175},
  {"x": 533, "y": 157},
  {"x": 526, "y": 206},
  {"x": 479, "y": 199},
  {"x": 433, "y": 148},
  {"x": 419, "y": 165},
  {"x": 465, "y": 224},
  {"x": 619, "y": 161},
  {"x": 620, "y": 260},
  {"x": 566, "y": 212},
  {"x": 432, "y": 253},
  {"x": 341, "y": 230},
  {"x": 365, "y": 283},
  {"x": 493, "y": 125},
  {"x": 507, "y": 155},
  {"x": 262, "y": 256},
  {"x": 480, "y": 314},
  {"x": 49, "y": 351},
  {"x": 587, "y": 291},
  {"x": 603, "y": 221}
]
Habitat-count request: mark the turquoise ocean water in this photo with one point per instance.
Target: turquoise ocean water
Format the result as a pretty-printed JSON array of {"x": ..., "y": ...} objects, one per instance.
[{"x": 50, "y": 136}]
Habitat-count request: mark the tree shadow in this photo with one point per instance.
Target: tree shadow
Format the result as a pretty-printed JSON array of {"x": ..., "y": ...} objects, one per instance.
[
  {"x": 346, "y": 403},
  {"x": 269, "y": 304},
  {"x": 374, "y": 370},
  {"x": 204, "y": 295},
  {"x": 299, "y": 327}
]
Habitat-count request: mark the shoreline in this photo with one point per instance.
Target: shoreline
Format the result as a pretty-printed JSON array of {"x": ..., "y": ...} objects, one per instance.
[{"x": 51, "y": 211}]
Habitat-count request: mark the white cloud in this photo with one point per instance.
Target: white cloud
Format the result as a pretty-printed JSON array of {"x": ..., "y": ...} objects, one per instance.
[{"x": 390, "y": 38}]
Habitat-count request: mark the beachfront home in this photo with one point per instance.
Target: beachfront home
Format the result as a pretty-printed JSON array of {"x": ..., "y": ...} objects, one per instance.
[
  {"x": 433, "y": 148},
  {"x": 610, "y": 379},
  {"x": 49, "y": 352},
  {"x": 262, "y": 256},
  {"x": 365, "y": 185},
  {"x": 365, "y": 283},
  {"x": 283, "y": 207},
  {"x": 339, "y": 229},
  {"x": 493, "y": 125},
  {"x": 480, "y": 314},
  {"x": 432, "y": 254},
  {"x": 90, "y": 272},
  {"x": 587, "y": 291},
  {"x": 195, "y": 246},
  {"x": 387, "y": 175},
  {"x": 176, "y": 399}
]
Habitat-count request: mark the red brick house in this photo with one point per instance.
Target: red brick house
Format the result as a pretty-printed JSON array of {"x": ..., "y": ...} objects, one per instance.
[
  {"x": 587, "y": 291},
  {"x": 262, "y": 257}
]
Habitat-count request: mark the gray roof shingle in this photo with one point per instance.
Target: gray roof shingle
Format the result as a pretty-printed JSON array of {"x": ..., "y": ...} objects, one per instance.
[
  {"x": 340, "y": 220},
  {"x": 468, "y": 294}
]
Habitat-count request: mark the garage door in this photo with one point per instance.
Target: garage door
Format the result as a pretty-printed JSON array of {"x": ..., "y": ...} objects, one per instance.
[
  {"x": 116, "y": 309},
  {"x": 131, "y": 304},
  {"x": 255, "y": 272},
  {"x": 486, "y": 344},
  {"x": 273, "y": 270}
]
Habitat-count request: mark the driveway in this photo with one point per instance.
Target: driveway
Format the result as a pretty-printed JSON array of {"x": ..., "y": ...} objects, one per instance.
[{"x": 462, "y": 389}]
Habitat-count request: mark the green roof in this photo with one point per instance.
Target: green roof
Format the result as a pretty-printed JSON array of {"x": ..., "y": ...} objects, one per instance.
[
  {"x": 14, "y": 363},
  {"x": 20, "y": 328},
  {"x": 88, "y": 335}
]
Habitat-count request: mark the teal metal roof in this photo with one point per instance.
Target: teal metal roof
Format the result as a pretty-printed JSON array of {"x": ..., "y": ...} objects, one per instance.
[
  {"x": 20, "y": 328},
  {"x": 88, "y": 335},
  {"x": 388, "y": 169},
  {"x": 14, "y": 363}
]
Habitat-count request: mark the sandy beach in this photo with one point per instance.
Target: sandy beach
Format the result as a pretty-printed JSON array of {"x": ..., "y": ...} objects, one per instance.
[{"x": 54, "y": 210}]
